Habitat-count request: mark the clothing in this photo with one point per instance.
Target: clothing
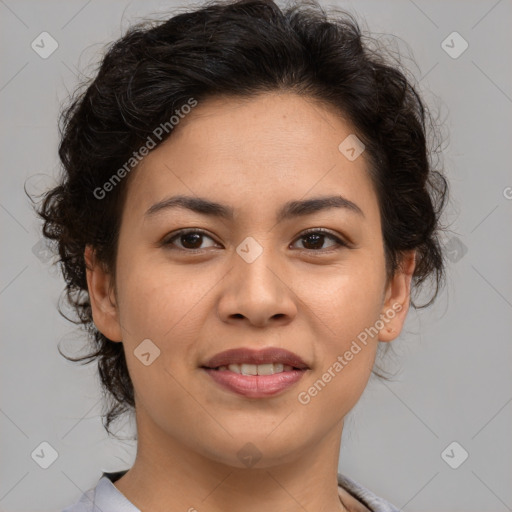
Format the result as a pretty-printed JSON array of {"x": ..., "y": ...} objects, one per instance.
[{"x": 105, "y": 497}]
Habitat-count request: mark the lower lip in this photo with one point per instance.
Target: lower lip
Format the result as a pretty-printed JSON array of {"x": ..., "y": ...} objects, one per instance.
[{"x": 255, "y": 386}]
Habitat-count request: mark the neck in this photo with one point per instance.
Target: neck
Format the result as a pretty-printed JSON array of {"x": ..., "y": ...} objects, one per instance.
[{"x": 168, "y": 475}]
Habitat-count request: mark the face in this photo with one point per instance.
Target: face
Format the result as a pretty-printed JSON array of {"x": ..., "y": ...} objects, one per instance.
[{"x": 311, "y": 281}]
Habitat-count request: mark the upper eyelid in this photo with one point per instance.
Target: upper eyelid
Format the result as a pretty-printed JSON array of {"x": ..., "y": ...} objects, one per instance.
[{"x": 186, "y": 231}]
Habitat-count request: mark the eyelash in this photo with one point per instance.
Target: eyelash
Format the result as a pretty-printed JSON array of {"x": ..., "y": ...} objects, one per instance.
[{"x": 168, "y": 243}]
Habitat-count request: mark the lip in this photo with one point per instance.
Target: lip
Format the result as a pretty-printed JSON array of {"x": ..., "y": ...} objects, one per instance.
[
  {"x": 256, "y": 386},
  {"x": 252, "y": 356}
]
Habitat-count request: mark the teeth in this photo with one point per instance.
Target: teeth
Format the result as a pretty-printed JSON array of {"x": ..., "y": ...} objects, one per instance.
[
  {"x": 257, "y": 369},
  {"x": 269, "y": 369},
  {"x": 248, "y": 369}
]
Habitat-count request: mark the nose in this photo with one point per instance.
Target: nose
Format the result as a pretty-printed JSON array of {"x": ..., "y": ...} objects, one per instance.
[{"x": 258, "y": 293}]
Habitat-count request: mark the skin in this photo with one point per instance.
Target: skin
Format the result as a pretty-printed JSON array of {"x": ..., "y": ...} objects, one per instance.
[{"x": 307, "y": 296}]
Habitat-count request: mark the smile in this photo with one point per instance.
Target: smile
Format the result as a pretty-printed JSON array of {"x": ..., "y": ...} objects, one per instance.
[
  {"x": 257, "y": 369},
  {"x": 255, "y": 373}
]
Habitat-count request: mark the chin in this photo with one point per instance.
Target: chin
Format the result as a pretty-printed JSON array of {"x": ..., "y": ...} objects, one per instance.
[{"x": 256, "y": 450}]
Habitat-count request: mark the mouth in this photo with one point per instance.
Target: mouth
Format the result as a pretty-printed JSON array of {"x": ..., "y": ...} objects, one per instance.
[
  {"x": 256, "y": 369},
  {"x": 246, "y": 359},
  {"x": 256, "y": 373}
]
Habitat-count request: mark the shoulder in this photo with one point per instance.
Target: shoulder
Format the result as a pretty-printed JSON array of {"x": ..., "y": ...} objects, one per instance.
[
  {"x": 366, "y": 500},
  {"x": 104, "y": 496},
  {"x": 84, "y": 504}
]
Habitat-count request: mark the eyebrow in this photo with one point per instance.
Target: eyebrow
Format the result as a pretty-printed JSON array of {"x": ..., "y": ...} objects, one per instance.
[{"x": 289, "y": 210}]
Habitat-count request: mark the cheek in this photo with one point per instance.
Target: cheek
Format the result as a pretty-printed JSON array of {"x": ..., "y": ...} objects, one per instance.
[
  {"x": 346, "y": 305},
  {"x": 158, "y": 300},
  {"x": 346, "y": 300},
  {"x": 162, "y": 305},
  {"x": 346, "y": 346}
]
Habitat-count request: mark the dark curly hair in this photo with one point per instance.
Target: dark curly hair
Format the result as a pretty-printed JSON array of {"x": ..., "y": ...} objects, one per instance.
[{"x": 236, "y": 49}]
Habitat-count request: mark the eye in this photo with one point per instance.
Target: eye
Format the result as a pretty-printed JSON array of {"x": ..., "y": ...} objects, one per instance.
[
  {"x": 316, "y": 237},
  {"x": 190, "y": 240}
]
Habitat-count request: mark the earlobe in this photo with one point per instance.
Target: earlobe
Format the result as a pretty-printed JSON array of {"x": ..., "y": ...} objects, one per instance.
[
  {"x": 397, "y": 298},
  {"x": 103, "y": 303}
]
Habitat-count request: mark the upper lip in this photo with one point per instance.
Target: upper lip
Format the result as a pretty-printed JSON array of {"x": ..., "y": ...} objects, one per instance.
[{"x": 252, "y": 356}]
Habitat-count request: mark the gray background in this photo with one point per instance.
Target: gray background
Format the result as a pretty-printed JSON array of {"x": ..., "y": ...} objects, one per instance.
[{"x": 455, "y": 358}]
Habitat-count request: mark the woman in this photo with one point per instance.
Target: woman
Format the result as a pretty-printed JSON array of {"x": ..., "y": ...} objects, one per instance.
[{"x": 247, "y": 205}]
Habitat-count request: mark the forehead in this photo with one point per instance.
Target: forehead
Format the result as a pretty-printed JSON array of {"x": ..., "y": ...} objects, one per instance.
[{"x": 269, "y": 147}]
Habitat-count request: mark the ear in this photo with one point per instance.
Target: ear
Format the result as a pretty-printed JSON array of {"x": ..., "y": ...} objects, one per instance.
[
  {"x": 105, "y": 313},
  {"x": 397, "y": 298}
]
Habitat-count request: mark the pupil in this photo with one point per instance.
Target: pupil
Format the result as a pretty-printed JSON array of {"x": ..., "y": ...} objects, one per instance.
[
  {"x": 316, "y": 238},
  {"x": 195, "y": 236}
]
